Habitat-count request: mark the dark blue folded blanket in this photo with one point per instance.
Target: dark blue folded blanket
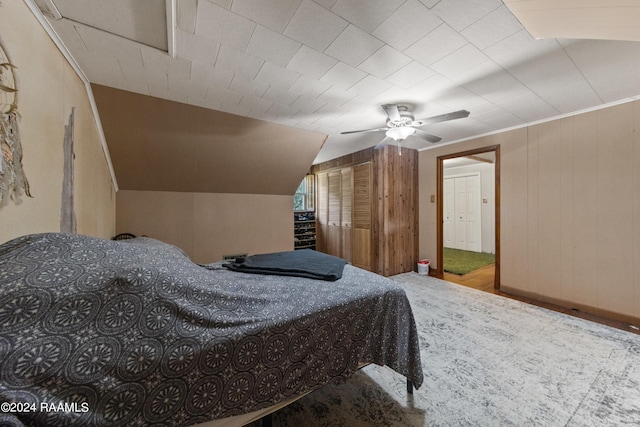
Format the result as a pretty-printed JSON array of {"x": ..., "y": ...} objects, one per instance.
[{"x": 301, "y": 263}]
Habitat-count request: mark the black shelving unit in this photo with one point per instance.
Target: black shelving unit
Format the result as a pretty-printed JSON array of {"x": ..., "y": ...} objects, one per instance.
[{"x": 304, "y": 230}]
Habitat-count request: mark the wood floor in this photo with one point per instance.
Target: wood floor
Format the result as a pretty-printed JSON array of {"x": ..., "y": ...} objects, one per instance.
[{"x": 482, "y": 279}]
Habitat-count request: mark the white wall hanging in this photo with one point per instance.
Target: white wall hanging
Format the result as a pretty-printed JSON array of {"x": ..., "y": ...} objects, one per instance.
[{"x": 13, "y": 182}]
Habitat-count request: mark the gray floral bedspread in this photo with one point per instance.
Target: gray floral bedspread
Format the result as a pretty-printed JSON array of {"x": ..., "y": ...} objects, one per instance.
[{"x": 114, "y": 333}]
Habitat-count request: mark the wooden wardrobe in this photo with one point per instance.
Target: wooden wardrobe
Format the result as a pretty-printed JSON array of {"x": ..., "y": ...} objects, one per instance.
[{"x": 367, "y": 209}]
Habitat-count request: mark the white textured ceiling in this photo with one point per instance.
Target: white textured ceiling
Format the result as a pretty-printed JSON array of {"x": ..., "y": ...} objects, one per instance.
[{"x": 328, "y": 65}]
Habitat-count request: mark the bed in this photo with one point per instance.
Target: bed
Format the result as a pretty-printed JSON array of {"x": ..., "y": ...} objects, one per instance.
[{"x": 102, "y": 332}]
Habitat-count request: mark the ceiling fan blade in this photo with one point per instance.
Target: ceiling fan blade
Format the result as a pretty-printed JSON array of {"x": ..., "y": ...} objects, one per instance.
[
  {"x": 365, "y": 130},
  {"x": 427, "y": 136},
  {"x": 441, "y": 118},
  {"x": 392, "y": 111},
  {"x": 384, "y": 142}
]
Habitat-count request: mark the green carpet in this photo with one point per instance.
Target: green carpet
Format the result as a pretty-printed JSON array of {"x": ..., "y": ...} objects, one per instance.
[{"x": 457, "y": 261}]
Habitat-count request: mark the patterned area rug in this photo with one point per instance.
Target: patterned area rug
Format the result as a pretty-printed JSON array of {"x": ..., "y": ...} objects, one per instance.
[{"x": 489, "y": 361}]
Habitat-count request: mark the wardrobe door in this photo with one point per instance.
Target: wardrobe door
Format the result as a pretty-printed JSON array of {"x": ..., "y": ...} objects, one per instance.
[
  {"x": 322, "y": 211},
  {"x": 334, "y": 238},
  {"x": 346, "y": 204},
  {"x": 361, "y": 249}
]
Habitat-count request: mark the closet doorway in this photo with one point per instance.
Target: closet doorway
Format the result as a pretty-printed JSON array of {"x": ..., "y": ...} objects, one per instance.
[{"x": 468, "y": 208}]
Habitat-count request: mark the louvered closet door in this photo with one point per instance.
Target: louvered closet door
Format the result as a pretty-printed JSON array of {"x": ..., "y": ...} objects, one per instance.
[
  {"x": 322, "y": 211},
  {"x": 334, "y": 237},
  {"x": 361, "y": 250},
  {"x": 346, "y": 198}
]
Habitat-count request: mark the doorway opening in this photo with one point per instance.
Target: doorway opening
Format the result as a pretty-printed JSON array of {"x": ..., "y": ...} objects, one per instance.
[{"x": 468, "y": 193}]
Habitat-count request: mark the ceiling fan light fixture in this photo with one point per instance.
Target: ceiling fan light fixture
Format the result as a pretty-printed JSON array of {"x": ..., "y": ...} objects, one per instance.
[{"x": 400, "y": 133}]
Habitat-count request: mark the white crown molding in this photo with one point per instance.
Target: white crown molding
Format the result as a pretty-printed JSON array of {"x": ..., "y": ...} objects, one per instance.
[
  {"x": 172, "y": 24},
  {"x": 524, "y": 125}
]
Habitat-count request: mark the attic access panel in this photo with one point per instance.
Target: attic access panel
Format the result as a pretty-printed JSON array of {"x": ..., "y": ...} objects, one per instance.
[{"x": 141, "y": 21}]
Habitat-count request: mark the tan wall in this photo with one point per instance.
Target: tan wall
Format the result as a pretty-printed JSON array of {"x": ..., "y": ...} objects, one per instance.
[
  {"x": 162, "y": 145},
  {"x": 48, "y": 89},
  {"x": 207, "y": 226},
  {"x": 570, "y": 208}
]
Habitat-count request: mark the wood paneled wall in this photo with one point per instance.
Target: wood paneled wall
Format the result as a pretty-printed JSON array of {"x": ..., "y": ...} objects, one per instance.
[
  {"x": 393, "y": 208},
  {"x": 358, "y": 157},
  {"x": 569, "y": 209}
]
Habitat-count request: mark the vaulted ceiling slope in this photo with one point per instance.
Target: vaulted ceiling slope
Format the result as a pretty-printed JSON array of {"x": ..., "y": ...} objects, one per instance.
[
  {"x": 579, "y": 19},
  {"x": 161, "y": 145},
  {"x": 327, "y": 66}
]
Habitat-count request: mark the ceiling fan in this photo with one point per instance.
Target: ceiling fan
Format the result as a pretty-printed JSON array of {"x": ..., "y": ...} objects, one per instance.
[{"x": 401, "y": 124}]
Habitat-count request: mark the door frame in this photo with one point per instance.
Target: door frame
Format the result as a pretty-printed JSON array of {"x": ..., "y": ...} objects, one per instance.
[{"x": 440, "y": 206}]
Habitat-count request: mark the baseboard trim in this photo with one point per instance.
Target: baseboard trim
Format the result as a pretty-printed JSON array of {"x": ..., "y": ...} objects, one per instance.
[{"x": 632, "y": 322}]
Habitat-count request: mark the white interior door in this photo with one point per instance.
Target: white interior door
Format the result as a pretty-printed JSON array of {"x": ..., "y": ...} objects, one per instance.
[
  {"x": 462, "y": 213},
  {"x": 449, "y": 215},
  {"x": 473, "y": 213}
]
